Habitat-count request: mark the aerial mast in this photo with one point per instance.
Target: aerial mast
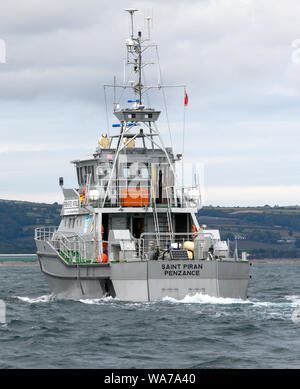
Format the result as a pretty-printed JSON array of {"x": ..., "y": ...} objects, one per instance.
[{"x": 134, "y": 48}]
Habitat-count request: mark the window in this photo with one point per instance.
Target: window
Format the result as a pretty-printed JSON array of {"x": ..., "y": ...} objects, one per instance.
[
  {"x": 126, "y": 172},
  {"x": 93, "y": 174},
  {"x": 78, "y": 175},
  {"x": 143, "y": 172},
  {"x": 81, "y": 175},
  {"x": 85, "y": 174}
]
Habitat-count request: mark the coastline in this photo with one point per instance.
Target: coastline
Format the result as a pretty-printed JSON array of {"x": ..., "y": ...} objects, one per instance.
[
  {"x": 18, "y": 260},
  {"x": 266, "y": 260},
  {"x": 275, "y": 260},
  {"x": 19, "y": 263}
]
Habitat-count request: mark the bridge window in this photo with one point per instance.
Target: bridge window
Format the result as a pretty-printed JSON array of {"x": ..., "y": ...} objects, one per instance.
[{"x": 143, "y": 172}]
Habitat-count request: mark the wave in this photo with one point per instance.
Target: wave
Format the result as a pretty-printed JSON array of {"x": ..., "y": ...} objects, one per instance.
[
  {"x": 34, "y": 300},
  {"x": 291, "y": 301},
  {"x": 199, "y": 298},
  {"x": 99, "y": 301},
  {"x": 295, "y": 300}
]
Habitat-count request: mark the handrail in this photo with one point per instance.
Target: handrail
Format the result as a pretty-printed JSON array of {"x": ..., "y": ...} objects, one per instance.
[
  {"x": 112, "y": 196},
  {"x": 72, "y": 246},
  {"x": 169, "y": 237}
]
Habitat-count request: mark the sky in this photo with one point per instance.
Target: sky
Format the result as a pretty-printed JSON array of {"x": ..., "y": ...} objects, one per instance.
[{"x": 239, "y": 60}]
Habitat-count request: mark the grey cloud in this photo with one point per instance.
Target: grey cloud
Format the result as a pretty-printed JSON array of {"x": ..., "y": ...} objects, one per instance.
[
  {"x": 234, "y": 55},
  {"x": 205, "y": 44},
  {"x": 38, "y": 16}
]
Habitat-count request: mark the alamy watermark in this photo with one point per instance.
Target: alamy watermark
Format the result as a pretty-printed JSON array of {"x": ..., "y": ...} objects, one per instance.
[
  {"x": 2, "y": 51},
  {"x": 2, "y": 312}
]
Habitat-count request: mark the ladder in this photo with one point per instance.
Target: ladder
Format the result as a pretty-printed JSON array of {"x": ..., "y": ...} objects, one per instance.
[
  {"x": 169, "y": 213},
  {"x": 155, "y": 217}
]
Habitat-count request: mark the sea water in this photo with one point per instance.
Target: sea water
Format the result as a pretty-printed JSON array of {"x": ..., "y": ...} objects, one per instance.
[{"x": 196, "y": 332}]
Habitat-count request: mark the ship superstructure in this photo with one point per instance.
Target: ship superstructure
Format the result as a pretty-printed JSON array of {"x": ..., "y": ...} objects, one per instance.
[{"x": 130, "y": 230}]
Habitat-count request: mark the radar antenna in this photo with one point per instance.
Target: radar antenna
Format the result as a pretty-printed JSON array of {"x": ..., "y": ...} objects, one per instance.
[{"x": 131, "y": 11}]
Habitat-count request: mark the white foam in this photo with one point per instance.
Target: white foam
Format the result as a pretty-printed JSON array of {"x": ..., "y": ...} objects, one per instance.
[
  {"x": 98, "y": 301},
  {"x": 199, "y": 298},
  {"x": 295, "y": 300},
  {"x": 41, "y": 299}
]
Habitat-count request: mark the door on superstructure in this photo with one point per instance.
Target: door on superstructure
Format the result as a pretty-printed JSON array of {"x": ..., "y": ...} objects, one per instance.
[
  {"x": 181, "y": 222},
  {"x": 105, "y": 226},
  {"x": 162, "y": 181},
  {"x": 138, "y": 226}
]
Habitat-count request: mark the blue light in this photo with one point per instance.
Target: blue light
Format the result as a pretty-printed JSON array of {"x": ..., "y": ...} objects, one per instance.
[
  {"x": 116, "y": 125},
  {"x": 130, "y": 124},
  {"x": 133, "y": 101}
]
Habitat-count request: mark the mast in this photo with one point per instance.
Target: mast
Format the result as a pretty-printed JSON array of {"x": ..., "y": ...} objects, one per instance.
[
  {"x": 134, "y": 54},
  {"x": 140, "y": 67},
  {"x": 138, "y": 121}
]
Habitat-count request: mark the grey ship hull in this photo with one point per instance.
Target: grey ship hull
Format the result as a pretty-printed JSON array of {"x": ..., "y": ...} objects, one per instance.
[{"x": 143, "y": 281}]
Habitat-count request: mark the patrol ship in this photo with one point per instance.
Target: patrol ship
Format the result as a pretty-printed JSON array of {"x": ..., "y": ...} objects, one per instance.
[{"x": 130, "y": 230}]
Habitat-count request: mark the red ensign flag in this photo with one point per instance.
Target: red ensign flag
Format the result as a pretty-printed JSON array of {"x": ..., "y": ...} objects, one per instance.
[{"x": 186, "y": 98}]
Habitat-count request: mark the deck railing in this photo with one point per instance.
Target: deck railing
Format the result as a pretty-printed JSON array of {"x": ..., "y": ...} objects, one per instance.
[
  {"x": 75, "y": 249},
  {"x": 72, "y": 247},
  {"x": 44, "y": 233},
  {"x": 147, "y": 241},
  {"x": 141, "y": 195}
]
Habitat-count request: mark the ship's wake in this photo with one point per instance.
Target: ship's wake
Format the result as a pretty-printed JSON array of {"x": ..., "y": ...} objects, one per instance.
[
  {"x": 200, "y": 298},
  {"x": 286, "y": 303},
  {"x": 292, "y": 301}
]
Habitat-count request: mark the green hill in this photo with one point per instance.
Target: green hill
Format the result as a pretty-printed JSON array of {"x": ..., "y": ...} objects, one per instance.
[
  {"x": 18, "y": 220},
  {"x": 264, "y": 232}
]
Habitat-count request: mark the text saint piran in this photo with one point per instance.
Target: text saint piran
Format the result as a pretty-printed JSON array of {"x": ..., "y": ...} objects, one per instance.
[{"x": 179, "y": 269}]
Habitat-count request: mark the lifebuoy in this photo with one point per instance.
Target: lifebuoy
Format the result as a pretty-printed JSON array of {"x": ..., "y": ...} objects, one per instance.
[{"x": 104, "y": 258}]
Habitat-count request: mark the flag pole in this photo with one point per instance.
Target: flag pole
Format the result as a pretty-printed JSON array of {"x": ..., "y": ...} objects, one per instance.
[{"x": 183, "y": 134}]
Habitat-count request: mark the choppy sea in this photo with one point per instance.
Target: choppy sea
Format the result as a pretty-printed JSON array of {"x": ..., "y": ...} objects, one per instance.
[{"x": 196, "y": 332}]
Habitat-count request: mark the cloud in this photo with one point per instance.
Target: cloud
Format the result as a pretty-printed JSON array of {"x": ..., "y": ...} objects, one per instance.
[
  {"x": 236, "y": 57},
  {"x": 38, "y": 16},
  {"x": 49, "y": 198},
  {"x": 13, "y": 147},
  {"x": 252, "y": 195},
  {"x": 75, "y": 48}
]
